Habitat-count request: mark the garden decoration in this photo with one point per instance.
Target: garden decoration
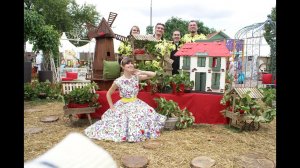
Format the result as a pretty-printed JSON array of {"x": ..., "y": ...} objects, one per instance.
[
  {"x": 206, "y": 63},
  {"x": 176, "y": 118},
  {"x": 245, "y": 108},
  {"x": 80, "y": 98},
  {"x": 104, "y": 49}
]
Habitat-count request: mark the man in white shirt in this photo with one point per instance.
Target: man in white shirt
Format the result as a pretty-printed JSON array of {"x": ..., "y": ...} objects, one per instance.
[{"x": 39, "y": 60}]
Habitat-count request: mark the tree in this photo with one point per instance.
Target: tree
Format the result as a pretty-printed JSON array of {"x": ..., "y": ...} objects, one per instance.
[
  {"x": 81, "y": 15},
  {"x": 149, "y": 29},
  {"x": 270, "y": 36},
  {"x": 182, "y": 25},
  {"x": 65, "y": 16},
  {"x": 44, "y": 21},
  {"x": 32, "y": 24},
  {"x": 54, "y": 12},
  {"x": 47, "y": 40}
]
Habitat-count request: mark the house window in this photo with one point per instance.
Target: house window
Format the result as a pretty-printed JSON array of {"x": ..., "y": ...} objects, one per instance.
[
  {"x": 108, "y": 54},
  {"x": 214, "y": 62},
  {"x": 215, "y": 80},
  {"x": 201, "y": 61},
  {"x": 250, "y": 58},
  {"x": 186, "y": 63}
]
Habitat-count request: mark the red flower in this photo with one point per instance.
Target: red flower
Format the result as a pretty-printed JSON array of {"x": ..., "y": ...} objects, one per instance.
[
  {"x": 151, "y": 110},
  {"x": 142, "y": 131},
  {"x": 124, "y": 138}
]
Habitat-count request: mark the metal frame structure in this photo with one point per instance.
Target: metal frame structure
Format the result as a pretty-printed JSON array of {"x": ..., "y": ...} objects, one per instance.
[{"x": 252, "y": 36}]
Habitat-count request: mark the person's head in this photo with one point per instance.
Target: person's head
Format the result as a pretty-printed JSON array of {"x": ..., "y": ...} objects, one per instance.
[
  {"x": 193, "y": 27},
  {"x": 176, "y": 36},
  {"x": 134, "y": 30},
  {"x": 127, "y": 64},
  {"x": 159, "y": 29}
]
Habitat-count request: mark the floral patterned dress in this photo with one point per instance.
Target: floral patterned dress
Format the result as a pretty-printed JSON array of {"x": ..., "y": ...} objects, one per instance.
[{"x": 132, "y": 121}]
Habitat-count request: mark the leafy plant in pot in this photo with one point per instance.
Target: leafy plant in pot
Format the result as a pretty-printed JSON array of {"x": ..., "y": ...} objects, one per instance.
[
  {"x": 176, "y": 118},
  {"x": 170, "y": 109},
  {"x": 82, "y": 97},
  {"x": 178, "y": 81}
]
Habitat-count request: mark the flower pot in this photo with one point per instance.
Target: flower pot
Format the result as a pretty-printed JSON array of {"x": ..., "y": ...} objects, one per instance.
[
  {"x": 181, "y": 89},
  {"x": 170, "y": 123},
  {"x": 174, "y": 89},
  {"x": 45, "y": 75},
  {"x": 27, "y": 72}
]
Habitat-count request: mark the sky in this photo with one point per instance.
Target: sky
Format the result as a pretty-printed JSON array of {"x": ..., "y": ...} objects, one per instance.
[{"x": 226, "y": 15}]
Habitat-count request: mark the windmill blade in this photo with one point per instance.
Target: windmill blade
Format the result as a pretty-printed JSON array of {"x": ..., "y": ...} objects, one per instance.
[
  {"x": 111, "y": 18},
  {"x": 121, "y": 38}
]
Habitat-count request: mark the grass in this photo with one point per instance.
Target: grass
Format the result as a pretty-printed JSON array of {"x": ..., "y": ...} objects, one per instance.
[{"x": 219, "y": 142}]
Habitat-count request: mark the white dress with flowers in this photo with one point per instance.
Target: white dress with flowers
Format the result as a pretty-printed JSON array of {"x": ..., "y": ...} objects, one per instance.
[{"x": 132, "y": 121}]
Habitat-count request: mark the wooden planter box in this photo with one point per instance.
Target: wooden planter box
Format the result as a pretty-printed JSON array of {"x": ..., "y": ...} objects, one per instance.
[
  {"x": 241, "y": 121},
  {"x": 144, "y": 57},
  {"x": 85, "y": 110}
]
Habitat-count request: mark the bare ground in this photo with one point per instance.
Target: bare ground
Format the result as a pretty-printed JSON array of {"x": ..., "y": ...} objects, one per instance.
[{"x": 179, "y": 147}]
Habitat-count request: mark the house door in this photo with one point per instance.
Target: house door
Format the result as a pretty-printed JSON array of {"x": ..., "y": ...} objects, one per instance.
[{"x": 200, "y": 81}]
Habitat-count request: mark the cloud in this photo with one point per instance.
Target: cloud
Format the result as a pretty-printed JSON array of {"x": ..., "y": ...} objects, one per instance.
[{"x": 231, "y": 15}]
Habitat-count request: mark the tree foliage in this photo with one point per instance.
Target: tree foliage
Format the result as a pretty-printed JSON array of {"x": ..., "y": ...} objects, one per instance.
[
  {"x": 149, "y": 29},
  {"x": 54, "y": 12},
  {"x": 175, "y": 23},
  {"x": 44, "y": 21},
  {"x": 65, "y": 16},
  {"x": 270, "y": 36},
  {"x": 79, "y": 16},
  {"x": 32, "y": 23}
]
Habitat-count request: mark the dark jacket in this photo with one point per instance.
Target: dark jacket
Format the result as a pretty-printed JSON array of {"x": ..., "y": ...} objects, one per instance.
[{"x": 175, "y": 64}]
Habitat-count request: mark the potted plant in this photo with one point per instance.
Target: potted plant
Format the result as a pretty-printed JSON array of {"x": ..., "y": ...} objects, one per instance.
[
  {"x": 82, "y": 97},
  {"x": 186, "y": 119},
  {"x": 246, "y": 108},
  {"x": 170, "y": 109},
  {"x": 176, "y": 118},
  {"x": 188, "y": 86},
  {"x": 150, "y": 85},
  {"x": 165, "y": 81},
  {"x": 178, "y": 82}
]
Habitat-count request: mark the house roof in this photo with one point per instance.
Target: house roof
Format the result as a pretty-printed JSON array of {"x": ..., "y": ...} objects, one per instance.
[
  {"x": 253, "y": 92},
  {"x": 210, "y": 36},
  {"x": 207, "y": 48}
]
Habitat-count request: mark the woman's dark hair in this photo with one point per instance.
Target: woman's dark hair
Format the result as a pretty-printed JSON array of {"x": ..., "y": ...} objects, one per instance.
[{"x": 126, "y": 60}]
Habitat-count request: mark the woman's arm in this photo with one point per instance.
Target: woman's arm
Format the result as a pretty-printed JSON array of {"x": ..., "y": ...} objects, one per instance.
[
  {"x": 143, "y": 75},
  {"x": 109, "y": 93}
]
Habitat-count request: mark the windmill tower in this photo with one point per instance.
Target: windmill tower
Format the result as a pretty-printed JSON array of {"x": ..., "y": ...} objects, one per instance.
[{"x": 104, "y": 48}]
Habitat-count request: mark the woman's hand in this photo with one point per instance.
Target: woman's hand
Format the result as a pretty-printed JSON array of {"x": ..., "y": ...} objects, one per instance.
[{"x": 113, "y": 108}]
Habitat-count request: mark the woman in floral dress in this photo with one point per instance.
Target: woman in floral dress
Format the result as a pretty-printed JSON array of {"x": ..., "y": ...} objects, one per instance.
[{"x": 129, "y": 119}]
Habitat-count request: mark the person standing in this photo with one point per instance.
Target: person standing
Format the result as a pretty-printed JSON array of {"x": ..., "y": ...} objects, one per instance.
[
  {"x": 159, "y": 31},
  {"x": 125, "y": 47},
  {"x": 176, "y": 45},
  {"x": 193, "y": 34},
  {"x": 129, "y": 119},
  {"x": 38, "y": 61}
]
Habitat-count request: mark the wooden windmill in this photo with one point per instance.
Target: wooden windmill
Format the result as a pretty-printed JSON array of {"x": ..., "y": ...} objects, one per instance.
[{"x": 104, "y": 48}]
